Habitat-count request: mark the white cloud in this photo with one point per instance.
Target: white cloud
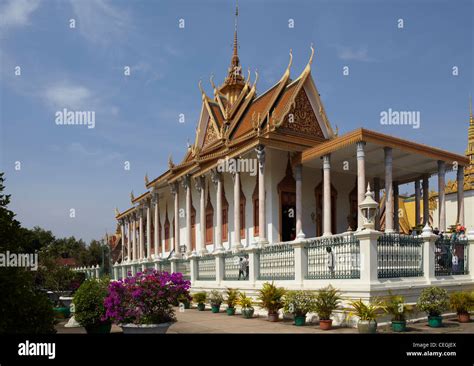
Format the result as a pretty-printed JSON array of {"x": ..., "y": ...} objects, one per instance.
[
  {"x": 17, "y": 13},
  {"x": 99, "y": 21},
  {"x": 99, "y": 156},
  {"x": 68, "y": 96},
  {"x": 354, "y": 54}
]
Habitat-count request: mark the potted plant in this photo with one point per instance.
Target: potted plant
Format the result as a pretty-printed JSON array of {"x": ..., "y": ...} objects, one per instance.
[
  {"x": 231, "y": 300},
  {"x": 299, "y": 303},
  {"x": 462, "y": 302},
  {"x": 215, "y": 299},
  {"x": 245, "y": 303},
  {"x": 396, "y": 307},
  {"x": 327, "y": 300},
  {"x": 433, "y": 300},
  {"x": 367, "y": 314},
  {"x": 144, "y": 303},
  {"x": 89, "y": 306},
  {"x": 185, "y": 299},
  {"x": 271, "y": 298},
  {"x": 200, "y": 299}
]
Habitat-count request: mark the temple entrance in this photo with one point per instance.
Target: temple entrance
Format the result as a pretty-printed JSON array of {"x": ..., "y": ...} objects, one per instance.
[
  {"x": 287, "y": 193},
  {"x": 318, "y": 191}
]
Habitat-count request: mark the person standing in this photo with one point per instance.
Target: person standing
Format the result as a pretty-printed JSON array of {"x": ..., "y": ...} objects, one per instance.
[
  {"x": 330, "y": 261},
  {"x": 241, "y": 267}
]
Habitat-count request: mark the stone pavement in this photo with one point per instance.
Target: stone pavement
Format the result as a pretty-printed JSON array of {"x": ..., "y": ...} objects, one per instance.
[{"x": 194, "y": 321}]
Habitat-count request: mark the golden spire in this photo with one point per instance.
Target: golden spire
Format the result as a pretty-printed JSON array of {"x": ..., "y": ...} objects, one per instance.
[
  {"x": 471, "y": 120},
  {"x": 234, "y": 75}
]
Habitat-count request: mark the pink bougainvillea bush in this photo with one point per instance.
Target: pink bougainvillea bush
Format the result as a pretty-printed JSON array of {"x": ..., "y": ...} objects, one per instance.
[{"x": 145, "y": 298}]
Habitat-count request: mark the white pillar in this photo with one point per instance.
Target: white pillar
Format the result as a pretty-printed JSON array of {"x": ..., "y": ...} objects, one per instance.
[
  {"x": 156, "y": 224},
  {"x": 175, "y": 192},
  {"x": 129, "y": 236},
  {"x": 396, "y": 207},
  {"x": 377, "y": 199},
  {"x": 368, "y": 255},
  {"x": 148, "y": 229},
  {"x": 327, "y": 195},
  {"x": 429, "y": 254},
  {"x": 140, "y": 233},
  {"x": 217, "y": 180},
  {"x": 388, "y": 191},
  {"x": 262, "y": 223},
  {"x": 236, "y": 243},
  {"x": 299, "y": 201},
  {"x": 441, "y": 195},
  {"x": 460, "y": 195},
  {"x": 426, "y": 199},
  {"x": 361, "y": 186},
  {"x": 417, "y": 202},
  {"x": 122, "y": 228},
  {"x": 134, "y": 237},
  {"x": 201, "y": 187},
  {"x": 187, "y": 187}
]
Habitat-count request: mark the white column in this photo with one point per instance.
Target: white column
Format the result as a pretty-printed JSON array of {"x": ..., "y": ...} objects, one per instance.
[
  {"x": 156, "y": 224},
  {"x": 460, "y": 178},
  {"x": 129, "y": 235},
  {"x": 441, "y": 195},
  {"x": 388, "y": 191},
  {"x": 236, "y": 243},
  {"x": 429, "y": 254},
  {"x": 377, "y": 199},
  {"x": 134, "y": 237},
  {"x": 417, "y": 202},
  {"x": 396, "y": 207},
  {"x": 122, "y": 227},
  {"x": 148, "y": 229},
  {"x": 175, "y": 192},
  {"x": 141, "y": 235},
  {"x": 201, "y": 187},
  {"x": 217, "y": 180},
  {"x": 361, "y": 186},
  {"x": 262, "y": 222},
  {"x": 327, "y": 195},
  {"x": 299, "y": 201},
  {"x": 187, "y": 187},
  {"x": 426, "y": 199}
]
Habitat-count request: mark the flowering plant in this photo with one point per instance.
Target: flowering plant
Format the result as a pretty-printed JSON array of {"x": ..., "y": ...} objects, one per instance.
[{"x": 145, "y": 298}]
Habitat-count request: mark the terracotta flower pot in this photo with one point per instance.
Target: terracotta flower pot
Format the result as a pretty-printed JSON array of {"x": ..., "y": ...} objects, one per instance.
[
  {"x": 273, "y": 317},
  {"x": 464, "y": 318},
  {"x": 325, "y": 324}
]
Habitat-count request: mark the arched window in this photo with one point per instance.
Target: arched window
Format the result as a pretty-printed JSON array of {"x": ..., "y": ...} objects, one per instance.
[
  {"x": 209, "y": 221},
  {"x": 225, "y": 216},
  {"x": 255, "y": 208},
  {"x": 242, "y": 213}
]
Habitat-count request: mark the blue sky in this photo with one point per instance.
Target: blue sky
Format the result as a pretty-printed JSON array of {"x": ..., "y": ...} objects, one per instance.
[{"x": 64, "y": 167}]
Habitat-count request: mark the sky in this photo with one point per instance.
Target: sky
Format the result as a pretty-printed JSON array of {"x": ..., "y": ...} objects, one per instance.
[{"x": 73, "y": 53}]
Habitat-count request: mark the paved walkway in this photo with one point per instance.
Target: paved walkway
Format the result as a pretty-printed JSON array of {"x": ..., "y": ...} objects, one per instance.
[{"x": 194, "y": 321}]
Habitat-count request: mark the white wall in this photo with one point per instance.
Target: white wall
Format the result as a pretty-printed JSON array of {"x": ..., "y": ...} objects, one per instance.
[{"x": 452, "y": 210}]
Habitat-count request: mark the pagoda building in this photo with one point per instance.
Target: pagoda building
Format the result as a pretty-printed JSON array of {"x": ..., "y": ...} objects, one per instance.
[{"x": 270, "y": 168}]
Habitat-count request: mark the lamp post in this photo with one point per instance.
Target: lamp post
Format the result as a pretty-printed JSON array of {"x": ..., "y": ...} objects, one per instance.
[{"x": 369, "y": 209}]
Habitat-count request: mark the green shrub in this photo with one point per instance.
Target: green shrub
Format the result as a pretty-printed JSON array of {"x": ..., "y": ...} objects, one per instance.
[
  {"x": 231, "y": 297},
  {"x": 396, "y": 307},
  {"x": 215, "y": 298},
  {"x": 433, "y": 300},
  {"x": 365, "y": 311},
  {"x": 200, "y": 297},
  {"x": 271, "y": 297},
  {"x": 244, "y": 301},
  {"x": 299, "y": 303},
  {"x": 326, "y": 302},
  {"x": 462, "y": 302},
  {"x": 89, "y": 302}
]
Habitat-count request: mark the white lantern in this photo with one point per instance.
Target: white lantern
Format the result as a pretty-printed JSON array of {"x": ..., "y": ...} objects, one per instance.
[{"x": 369, "y": 208}]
